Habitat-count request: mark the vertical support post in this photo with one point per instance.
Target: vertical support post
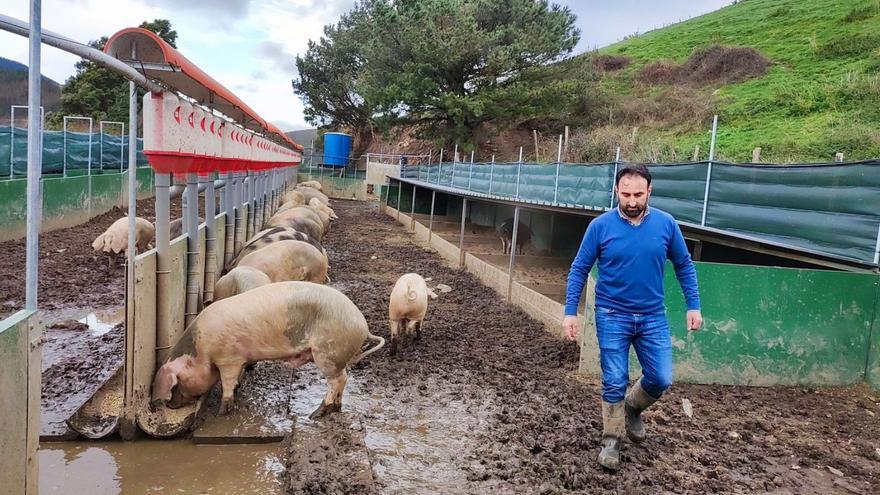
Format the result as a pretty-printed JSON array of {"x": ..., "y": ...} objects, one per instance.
[
  {"x": 464, "y": 203},
  {"x": 709, "y": 170},
  {"x": 229, "y": 209},
  {"x": 439, "y": 168},
  {"x": 210, "y": 238},
  {"x": 238, "y": 194},
  {"x": 163, "y": 268},
  {"x": 192, "y": 248},
  {"x": 34, "y": 159},
  {"x": 63, "y": 146},
  {"x": 512, "y": 253},
  {"x": 877, "y": 248},
  {"x": 491, "y": 173},
  {"x": 614, "y": 176},
  {"x": 399, "y": 191},
  {"x": 431, "y": 217},
  {"x": 556, "y": 182},
  {"x": 454, "y": 160},
  {"x": 470, "y": 171},
  {"x": 412, "y": 211},
  {"x": 518, "y": 167}
]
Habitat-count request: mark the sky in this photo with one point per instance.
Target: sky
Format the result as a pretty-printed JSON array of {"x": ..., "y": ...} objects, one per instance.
[{"x": 249, "y": 45}]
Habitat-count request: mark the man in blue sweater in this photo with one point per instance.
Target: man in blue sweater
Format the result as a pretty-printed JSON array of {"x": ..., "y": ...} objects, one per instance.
[{"x": 631, "y": 245}]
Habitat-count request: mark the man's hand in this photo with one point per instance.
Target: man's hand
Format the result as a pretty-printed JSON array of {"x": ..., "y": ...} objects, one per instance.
[
  {"x": 694, "y": 320},
  {"x": 570, "y": 325}
]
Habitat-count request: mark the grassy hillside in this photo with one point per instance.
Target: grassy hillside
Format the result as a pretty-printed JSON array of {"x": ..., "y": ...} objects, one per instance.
[{"x": 820, "y": 94}]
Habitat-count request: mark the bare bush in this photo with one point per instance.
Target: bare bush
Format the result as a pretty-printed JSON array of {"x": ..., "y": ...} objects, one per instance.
[
  {"x": 610, "y": 63},
  {"x": 709, "y": 66}
]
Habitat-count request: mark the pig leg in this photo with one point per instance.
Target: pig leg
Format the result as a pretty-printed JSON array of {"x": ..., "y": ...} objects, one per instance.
[
  {"x": 229, "y": 374},
  {"x": 395, "y": 331},
  {"x": 418, "y": 326},
  {"x": 333, "y": 400}
]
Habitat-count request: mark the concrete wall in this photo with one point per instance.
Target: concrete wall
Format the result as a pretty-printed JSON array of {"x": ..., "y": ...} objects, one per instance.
[
  {"x": 67, "y": 201},
  {"x": 20, "y": 357}
]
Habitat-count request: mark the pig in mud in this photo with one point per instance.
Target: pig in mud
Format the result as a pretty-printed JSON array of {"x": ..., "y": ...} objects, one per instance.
[
  {"x": 273, "y": 235},
  {"x": 505, "y": 232},
  {"x": 238, "y": 281},
  {"x": 114, "y": 240},
  {"x": 407, "y": 307},
  {"x": 311, "y": 183},
  {"x": 175, "y": 228},
  {"x": 284, "y": 261},
  {"x": 298, "y": 322}
]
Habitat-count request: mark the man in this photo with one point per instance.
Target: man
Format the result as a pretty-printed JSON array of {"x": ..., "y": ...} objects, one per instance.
[{"x": 631, "y": 245}]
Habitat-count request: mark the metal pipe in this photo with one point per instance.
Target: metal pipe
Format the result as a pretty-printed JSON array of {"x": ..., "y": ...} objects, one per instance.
[
  {"x": 163, "y": 267},
  {"x": 470, "y": 171},
  {"x": 191, "y": 213},
  {"x": 556, "y": 183},
  {"x": 431, "y": 218},
  {"x": 614, "y": 176},
  {"x": 491, "y": 173},
  {"x": 239, "y": 221},
  {"x": 229, "y": 209},
  {"x": 399, "y": 191},
  {"x": 512, "y": 254},
  {"x": 210, "y": 239},
  {"x": 709, "y": 170},
  {"x": 877, "y": 248},
  {"x": 35, "y": 158},
  {"x": 412, "y": 211},
  {"x": 461, "y": 233},
  {"x": 16, "y": 26},
  {"x": 518, "y": 167}
]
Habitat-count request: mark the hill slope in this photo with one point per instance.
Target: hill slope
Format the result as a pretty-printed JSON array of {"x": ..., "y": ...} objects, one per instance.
[
  {"x": 13, "y": 90},
  {"x": 820, "y": 94}
]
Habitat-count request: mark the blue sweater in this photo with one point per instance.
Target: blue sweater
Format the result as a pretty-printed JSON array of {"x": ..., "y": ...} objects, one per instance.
[{"x": 631, "y": 261}]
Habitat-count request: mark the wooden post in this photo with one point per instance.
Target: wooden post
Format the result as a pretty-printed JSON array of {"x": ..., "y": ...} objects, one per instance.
[
  {"x": 838, "y": 157},
  {"x": 535, "y": 133},
  {"x": 696, "y": 153},
  {"x": 756, "y": 155}
]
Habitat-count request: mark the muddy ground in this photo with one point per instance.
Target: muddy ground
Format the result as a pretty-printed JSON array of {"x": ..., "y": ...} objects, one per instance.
[
  {"x": 72, "y": 275},
  {"x": 488, "y": 401}
]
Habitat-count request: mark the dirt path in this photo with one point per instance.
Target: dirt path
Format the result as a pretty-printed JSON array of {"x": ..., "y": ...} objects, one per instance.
[
  {"x": 488, "y": 401},
  {"x": 72, "y": 275}
]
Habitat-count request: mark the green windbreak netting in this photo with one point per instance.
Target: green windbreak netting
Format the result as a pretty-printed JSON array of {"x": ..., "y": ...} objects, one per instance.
[
  {"x": 827, "y": 208},
  {"x": 66, "y": 152}
]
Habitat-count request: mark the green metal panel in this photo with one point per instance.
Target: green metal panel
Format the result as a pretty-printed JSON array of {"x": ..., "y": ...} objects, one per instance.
[
  {"x": 872, "y": 369},
  {"x": 13, "y": 208},
  {"x": 65, "y": 201},
  {"x": 767, "y": 326},
  {"x": 107, "y": 191},
  {"x": 14, "y": 350}
]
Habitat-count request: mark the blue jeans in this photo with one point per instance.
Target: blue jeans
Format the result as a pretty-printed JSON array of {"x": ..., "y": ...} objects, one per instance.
[{"x": 649, "y": 334}]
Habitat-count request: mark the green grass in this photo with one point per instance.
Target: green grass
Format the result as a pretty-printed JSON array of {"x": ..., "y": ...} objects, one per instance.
[{"x": 821, "y": 96}]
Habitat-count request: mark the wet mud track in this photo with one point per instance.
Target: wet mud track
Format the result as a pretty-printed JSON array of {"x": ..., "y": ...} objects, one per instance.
[{"x": 488, "y": 401}]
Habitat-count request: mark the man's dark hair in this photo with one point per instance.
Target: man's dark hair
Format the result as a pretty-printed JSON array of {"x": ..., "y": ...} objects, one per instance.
[{"x": 633, "y": 169}]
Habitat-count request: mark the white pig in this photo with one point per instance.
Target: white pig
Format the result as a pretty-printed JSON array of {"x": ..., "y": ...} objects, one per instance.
[
  {"x": 114, "y": 240},
  {"x": 407, "y": 307},
  {"x": 238, "y": 281},
  {"x": 298, "y": 322}
]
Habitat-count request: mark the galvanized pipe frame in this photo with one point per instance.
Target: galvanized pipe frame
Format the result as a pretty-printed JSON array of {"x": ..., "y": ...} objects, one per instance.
[
  {"x": 709, "y": 171},
  {"x": 101, "y": 143},
  {"x": 35, "y": 158},
  {"x": 12, "y": 134}
]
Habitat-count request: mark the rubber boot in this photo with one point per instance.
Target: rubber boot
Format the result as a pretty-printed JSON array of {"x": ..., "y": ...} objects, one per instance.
[
  {"x": 613, "y": 424},
  {"x": 637, "y": 400}
]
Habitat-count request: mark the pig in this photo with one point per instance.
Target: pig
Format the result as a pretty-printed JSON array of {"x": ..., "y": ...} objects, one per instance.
[
  {"x": 238, "y": 281},
  {"x": 310, "y": 193},
  {"x": 295, "y": 197},
  {"x": 301, "y": 218},
  {"x": 505, "y": 232},
  {"x": 175, "y": 228},
  {"x": 313, "y": 184},
  {"x": 275, "y": 234},
  {"x": 114, "y": 240},
  {"x": 317, "y": 205},
  {"x": 407, "y": 307},
  {"x": 298, "y": 322},
  {"x": 288, "y": 260}
]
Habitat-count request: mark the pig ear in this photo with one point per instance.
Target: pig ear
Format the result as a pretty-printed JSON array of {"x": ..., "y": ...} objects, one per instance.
[
  {"x": 165, "y": 381},
  {"x": 117, "y": 242}
]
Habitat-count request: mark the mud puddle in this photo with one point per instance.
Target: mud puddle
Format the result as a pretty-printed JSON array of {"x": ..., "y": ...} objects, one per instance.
[
  {"x": 81, "y": 352},
  {"x": 153, "y": 466}
]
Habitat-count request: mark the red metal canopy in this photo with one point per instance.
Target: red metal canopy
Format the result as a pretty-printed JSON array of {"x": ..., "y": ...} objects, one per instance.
[{"x": 161, "y": 62}]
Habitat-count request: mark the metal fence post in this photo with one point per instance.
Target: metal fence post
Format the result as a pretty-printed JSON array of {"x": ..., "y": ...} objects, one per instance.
[
  {"x": 512, "y": 253},
  {"x": 464, "y": 202},
  {"x": 470, "y": 171},
  {"x": 35, "y": 159},
  {"x": 431, "y": 218},
  {"x": 556, "y": 183},
  {"x": 518, "y": 167},
  {"x": 412, "y": 211},
  {"x": 614, "y": 176},
  {"x": 454, "y": 160},
  {"x": 491, "y": 171},
  {"x": 709, "y": 170},
  {"x": 439, "y": 169}
]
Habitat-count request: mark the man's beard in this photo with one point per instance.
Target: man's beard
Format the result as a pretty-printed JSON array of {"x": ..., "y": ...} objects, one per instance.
[{"x": 634, "y": 212}]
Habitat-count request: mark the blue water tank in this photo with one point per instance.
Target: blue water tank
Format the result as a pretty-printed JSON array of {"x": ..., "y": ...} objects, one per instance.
[{"x": 337, "y": 146}]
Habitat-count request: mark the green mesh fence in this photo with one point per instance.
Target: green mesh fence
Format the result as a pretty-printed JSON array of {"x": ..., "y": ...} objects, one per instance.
[
  {"x": 826, "y": 208},
  {"x": 66, "y": 154}
]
